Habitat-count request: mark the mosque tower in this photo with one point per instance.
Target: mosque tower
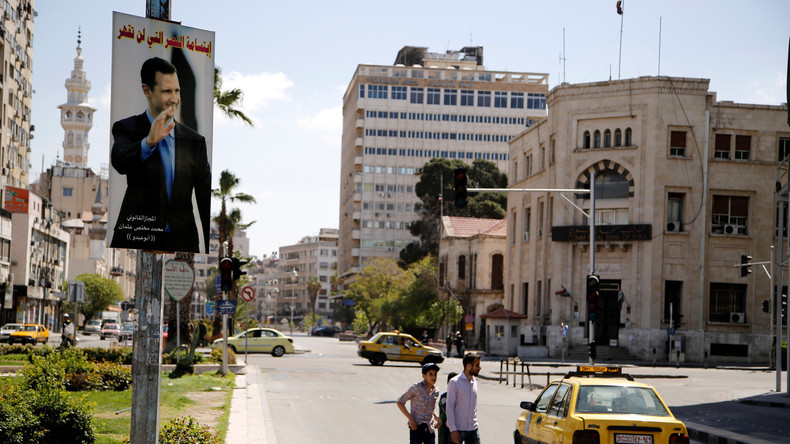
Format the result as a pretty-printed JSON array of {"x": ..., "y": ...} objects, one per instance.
[{"x": 76, "y": 116}]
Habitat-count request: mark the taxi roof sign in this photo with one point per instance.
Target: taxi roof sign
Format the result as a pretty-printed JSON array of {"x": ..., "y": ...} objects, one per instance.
[{"x": 599, "y": 371}]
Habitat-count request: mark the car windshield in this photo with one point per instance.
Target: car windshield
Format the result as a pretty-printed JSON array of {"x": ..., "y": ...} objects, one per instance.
[
  {"x": 29, "y": 328},
  {"x": 619, "y": 400},
  {"x": 111, "y": 327}
]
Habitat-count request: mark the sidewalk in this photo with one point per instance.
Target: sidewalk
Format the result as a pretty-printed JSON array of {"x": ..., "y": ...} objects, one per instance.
[{"x": 249, "y": 411}]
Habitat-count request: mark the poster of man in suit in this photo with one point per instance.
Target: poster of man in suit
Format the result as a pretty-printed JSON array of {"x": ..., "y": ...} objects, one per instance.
[{"x": 161, "y": 138}]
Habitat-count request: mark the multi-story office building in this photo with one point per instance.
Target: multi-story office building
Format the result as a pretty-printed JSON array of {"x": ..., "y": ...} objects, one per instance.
[
  {"x": 312, "y": 256},
  {"x": 396, "y": 118},
  {"x": 684, "y": 186},
  {"x": 16, "y": 50}
]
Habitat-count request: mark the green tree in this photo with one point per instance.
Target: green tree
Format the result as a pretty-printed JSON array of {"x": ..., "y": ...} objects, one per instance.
[
  {"x": 412, "y": 309},
  {"x": 100, "y": 293},
  {"x": 313, "y": 287},
  {"x": 437, "y": 178},
  {"x": 377, "y": 288}
]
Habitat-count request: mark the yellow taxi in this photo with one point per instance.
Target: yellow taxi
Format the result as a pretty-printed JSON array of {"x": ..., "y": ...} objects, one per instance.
[
  {"x": 29, "y": 334},
  {"x": 598, "y": 405},
  {"x": 397, "y": 346}
]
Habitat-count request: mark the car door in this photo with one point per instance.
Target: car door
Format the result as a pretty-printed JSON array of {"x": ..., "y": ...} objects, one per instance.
[
  {"x": 390, "y": 346},
  {"x": 534, "y": 424},
  {"x": 268, "y": 340},
  {"x": 554, "y": 428},
  {"x": 410, "y": 351}
]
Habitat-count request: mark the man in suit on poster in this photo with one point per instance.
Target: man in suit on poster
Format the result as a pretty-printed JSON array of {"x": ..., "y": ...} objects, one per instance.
[{"x": 164, "y": 162}]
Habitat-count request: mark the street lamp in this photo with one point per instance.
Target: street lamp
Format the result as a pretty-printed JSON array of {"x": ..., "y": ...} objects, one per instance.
[
  {"x": 276, "y": 303},
  {"x": 293, "y": 298}
]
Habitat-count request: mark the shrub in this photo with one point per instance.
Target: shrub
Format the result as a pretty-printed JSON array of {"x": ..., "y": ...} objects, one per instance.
[
  {"x": 45, "y": 415},
  {"x": 171, "y": 358},
  {"x": 118, "y": 355},
  {"x": 113, "y": 376},
  {"x": 186, "y": 430},
  {"x": 216, "y": 356},
  {"x": 16, "y": 349}
]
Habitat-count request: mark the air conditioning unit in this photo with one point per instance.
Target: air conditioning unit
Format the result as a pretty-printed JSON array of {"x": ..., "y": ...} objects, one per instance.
[
  {"x": 526, "y": 236},
  {"x": 673, "y": 227},
  {"x": 737, "y": 318},
  {"x": 730, "y": 229}
]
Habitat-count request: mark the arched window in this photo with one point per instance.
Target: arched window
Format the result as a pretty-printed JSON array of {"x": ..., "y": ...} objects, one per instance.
[
  {"x": 597, "y": 141},
  {"x": 461, "y": 267},
  {"x": 68, "y": 115},
  {"x": 607, "y": 138},
  {"x": 611, "y": 185},
  {"x": 497, "y": 272},
  {"x": 70, "y": 137},
  {"x": 628, "y": 137},
  {"x": 80, "y": 115},
  {"x": 586, "y": 142},
  {"x": 618, "y": 137}
]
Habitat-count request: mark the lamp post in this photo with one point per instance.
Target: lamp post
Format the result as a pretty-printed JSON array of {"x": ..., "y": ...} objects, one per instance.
[
  {"x": 276, "y": 292},
  {"x": 293, "y": 298}
]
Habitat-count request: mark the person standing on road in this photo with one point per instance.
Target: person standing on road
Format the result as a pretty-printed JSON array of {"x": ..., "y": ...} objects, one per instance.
[
  {"x": 459, "y": 343},
  {"x": 423, "y": 396},
  {"x": 462, "y": 403},
  {"x": 444, "y": 432},
  {"x": 450, "y": 341}
]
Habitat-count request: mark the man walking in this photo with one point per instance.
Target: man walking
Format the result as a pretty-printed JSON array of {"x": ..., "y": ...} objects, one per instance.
[{"x": 462, "y": 403}]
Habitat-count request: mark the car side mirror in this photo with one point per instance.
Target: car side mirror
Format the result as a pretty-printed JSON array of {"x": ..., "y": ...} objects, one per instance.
[{"x": 526, "y": 405}]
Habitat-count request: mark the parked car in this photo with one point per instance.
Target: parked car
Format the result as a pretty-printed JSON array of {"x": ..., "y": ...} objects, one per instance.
[
  {"x": 92, "y": 327},
  {"x": 397, "y": 346},
  {"x": 6, "y": 330},
  {"x": 264, "y": 340},
  {"x": 30, "y": 334},
  {"x": 110, "y": 331},
  {"x": 597, "y": 404},
  {"x": 127, "y": 331},
  {"x": 325, "y": 330}
]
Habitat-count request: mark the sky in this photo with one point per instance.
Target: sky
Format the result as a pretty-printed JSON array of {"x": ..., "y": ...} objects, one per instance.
[{"x": 295, "y": 59}]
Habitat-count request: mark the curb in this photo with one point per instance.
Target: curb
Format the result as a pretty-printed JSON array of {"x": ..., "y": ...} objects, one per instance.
[{"x": 699, "y": 432}]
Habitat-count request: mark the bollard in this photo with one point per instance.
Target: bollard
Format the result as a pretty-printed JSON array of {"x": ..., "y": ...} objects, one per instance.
[
  {"x": 500, "y": 372},
  {"x": 522, "y": 375},
  {"x": 706, "y": 359},
  {"x": 548, "y": 376},
  {"x": 514, "y": 374}
]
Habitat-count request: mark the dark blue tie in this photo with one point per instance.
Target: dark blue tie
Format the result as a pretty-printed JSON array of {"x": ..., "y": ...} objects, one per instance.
[{"x": 167, "y": 165}]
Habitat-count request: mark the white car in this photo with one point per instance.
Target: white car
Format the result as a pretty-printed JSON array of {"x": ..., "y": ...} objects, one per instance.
[
  {"x": 92, "y": 327},
  {"x": 6, "y": 330}
]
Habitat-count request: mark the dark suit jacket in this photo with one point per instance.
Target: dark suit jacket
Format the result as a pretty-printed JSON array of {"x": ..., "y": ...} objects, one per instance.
[{"x": 145, "y": 209}]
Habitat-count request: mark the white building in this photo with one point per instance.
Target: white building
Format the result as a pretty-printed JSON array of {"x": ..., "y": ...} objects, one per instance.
[{"x": 396, "y": 118}]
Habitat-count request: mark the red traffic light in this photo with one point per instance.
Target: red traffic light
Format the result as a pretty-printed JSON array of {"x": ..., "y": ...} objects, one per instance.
[{"x": 226, "y": 273}]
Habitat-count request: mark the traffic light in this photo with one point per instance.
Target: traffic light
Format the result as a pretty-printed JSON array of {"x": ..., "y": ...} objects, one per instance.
[
  {"x": 459, "y": 185},
  {"x": 746, "y": 267},
  {"x": 226, "y": 273},
  {"x": 237, "y": 271},
  {"x": 593, "y": 284}
]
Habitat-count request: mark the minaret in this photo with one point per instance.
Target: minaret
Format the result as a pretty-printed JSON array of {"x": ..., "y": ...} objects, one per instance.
[{"x": 76, "y": 116}]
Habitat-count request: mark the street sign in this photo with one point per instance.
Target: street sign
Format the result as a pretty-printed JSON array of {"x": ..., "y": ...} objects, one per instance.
[
  {"x": 77, "y": 291},
  {"x": 219, "y": 283},
  {"x": 211, "y": 307},
  {"x": 248, "y": 293},
  {"x": 227, "y": 307},
  {"x": 179, "y": 278},
  {"x": 469, "y": 319}
]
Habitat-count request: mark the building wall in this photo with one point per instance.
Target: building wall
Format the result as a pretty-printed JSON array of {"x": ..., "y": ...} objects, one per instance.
[
  {"x": 312, "y": 256},
  {"x": 386, "y": 140},
  {"x": 649, "y": 177}
]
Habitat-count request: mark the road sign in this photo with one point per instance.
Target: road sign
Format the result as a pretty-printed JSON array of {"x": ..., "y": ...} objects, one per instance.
[
  {"x": 179, "y": 278},
  {"x": 211, "y": 307},
  {"x": 77, "y": 291},
  {"x": 219, "y": 283},
  {"x": 248, "y": 293},
  {"x": 469, "y": 319},
  {"x": 226, "y": 307}
]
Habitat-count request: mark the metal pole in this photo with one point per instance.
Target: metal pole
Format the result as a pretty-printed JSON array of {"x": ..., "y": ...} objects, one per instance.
[
  {"x": 778, "y": 297},
  {"x": 591, "y": 323},
  {"x": 247, "y": 327},
  {"x": 178, "y": 332},
  {"x": 224, "y": 368}
]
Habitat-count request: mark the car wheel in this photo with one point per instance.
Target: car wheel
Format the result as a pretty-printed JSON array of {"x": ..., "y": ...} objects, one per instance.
[
  {"x": 377, "y": 360},
  {"x": 101, "y": 337},
  {"x": 278, "y": 351}
]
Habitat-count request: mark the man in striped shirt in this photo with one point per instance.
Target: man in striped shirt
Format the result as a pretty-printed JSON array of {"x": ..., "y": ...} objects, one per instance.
[
  {"x": 423, "y": 397},
  {"x": 462, "y": 403}
]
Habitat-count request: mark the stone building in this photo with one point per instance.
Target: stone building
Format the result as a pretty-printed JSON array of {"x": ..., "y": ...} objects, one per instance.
[
  {"x": 684, "y": 186},
  {"x": 471, "y": 270}
]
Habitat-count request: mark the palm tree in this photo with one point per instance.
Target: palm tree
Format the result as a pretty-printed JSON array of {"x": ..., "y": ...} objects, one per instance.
[
  {"x": 313, "y": 287},
  {"x": 228, "y": 100},
  {"x": 228, "y": 182}
]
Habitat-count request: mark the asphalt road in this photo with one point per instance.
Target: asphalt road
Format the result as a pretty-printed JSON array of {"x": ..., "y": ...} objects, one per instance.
[{"x": 330, "y": 395}]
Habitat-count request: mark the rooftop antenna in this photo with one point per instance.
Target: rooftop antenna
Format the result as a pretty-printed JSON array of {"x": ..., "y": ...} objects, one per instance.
[
  {"x": 620, "y": 5},
  {"x": 659, "y": 44},
  {"x": 562, "y": 57}
]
